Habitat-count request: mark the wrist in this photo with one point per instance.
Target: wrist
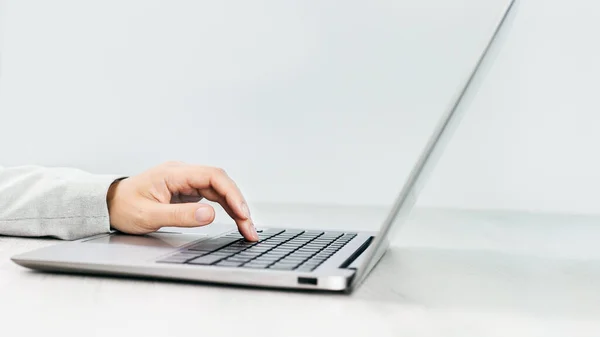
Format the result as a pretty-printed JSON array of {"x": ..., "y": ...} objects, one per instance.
[{"x": 111, "y": 197}]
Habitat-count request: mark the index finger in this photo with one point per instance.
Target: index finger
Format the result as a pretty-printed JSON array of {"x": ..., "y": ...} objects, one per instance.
[{"x": 231, "y": 198}]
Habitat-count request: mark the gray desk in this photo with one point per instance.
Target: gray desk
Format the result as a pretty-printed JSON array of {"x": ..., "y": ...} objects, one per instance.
[{"x": 450, "y": 273}]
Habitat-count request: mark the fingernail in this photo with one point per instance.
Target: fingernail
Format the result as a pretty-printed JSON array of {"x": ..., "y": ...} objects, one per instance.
[
  {"x": 245, "y": 210},
  {"x": 203, "y": 215},
  {"x": 253, "y": 230}
]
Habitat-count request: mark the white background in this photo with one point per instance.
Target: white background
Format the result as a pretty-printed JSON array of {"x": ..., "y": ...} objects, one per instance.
[{"x": 527, "y": 142}]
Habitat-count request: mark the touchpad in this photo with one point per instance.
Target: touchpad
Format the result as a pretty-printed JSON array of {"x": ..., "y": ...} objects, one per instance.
[{"x": 158, "y": 240}]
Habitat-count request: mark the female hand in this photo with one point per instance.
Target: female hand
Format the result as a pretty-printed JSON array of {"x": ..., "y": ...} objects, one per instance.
[{"x": 168, "y": 195}]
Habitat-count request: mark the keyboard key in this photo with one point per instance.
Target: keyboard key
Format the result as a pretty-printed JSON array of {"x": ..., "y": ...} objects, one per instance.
[
  {"x": 309, "y": 250},
  {"x": 262, "y": 262},
  {"x": 272, "y": 257},
  {"x": 265, "y": 264},
  {"x": 299, "y": 254},
  {"x": 248, "y": 254},
  {"x": 269, "y": 247},
  {"x": 303, "y": 254},
  {"x": 221, "y": 253},
  {"x": 276, "y": 243},
  {"x": 270, "y": 243},
  {"x": 241, "y": 245},
  {"x": 262, "y": 248},
  {"x": 259, "y": 261},
  {"x": 236, "y": 258},
  {"x": 229, "y": 264},
  {"x": 281, "y": 249},
  {"x": 263, "y": 238},
  {"x": 277, "y": 251},
  {"x": 206, "y": 259},
  {"x": 283, "y": 261},
  {"x": 256, "y": 266},
  {"x": 271, "y": 253},
  {"x": 213, "y": 244},
  {"x": 178, "y": 258},
  {"x": 274, "y": 240},
  {"x": 228, "y": 250},
  {"x": 300, "y": 257},
  {"x": 291, "y": 245},
  {"x": 255, "y": 250},
  {"x": 291, "y": 261},
  {"x": 269, "y": 257}
]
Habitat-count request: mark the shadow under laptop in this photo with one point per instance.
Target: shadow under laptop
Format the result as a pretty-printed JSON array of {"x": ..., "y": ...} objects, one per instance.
[{"x": 486, "y": 281}]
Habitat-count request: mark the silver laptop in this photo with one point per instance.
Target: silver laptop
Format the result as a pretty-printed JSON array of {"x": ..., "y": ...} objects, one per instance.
[{"x": 283, "y": 258}]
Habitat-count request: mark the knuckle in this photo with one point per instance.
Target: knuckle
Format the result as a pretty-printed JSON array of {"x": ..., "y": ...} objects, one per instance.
[{"x": 220, "y": 171}]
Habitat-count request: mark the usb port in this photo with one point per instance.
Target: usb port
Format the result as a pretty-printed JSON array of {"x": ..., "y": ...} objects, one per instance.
[{"x": 307, "y": 280}]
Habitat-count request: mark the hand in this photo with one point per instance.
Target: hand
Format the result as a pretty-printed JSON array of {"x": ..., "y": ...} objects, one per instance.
[{"x": 168, "y": 196}]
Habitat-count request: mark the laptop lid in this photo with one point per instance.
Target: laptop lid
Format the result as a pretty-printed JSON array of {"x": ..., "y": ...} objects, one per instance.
[
  {"x": 494, "y": 15},
  {"x": 321, "y": 102}
]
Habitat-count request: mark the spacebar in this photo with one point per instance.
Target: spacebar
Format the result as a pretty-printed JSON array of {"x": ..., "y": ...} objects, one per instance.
[{"x": 213, "y": 244}]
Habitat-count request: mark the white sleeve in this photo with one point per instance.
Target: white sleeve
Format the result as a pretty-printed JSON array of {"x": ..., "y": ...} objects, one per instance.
[{"x": 64, "y": 203}]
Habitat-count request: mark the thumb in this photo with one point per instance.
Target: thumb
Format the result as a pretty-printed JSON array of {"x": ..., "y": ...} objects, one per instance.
[{"x": 182, "y": 215}]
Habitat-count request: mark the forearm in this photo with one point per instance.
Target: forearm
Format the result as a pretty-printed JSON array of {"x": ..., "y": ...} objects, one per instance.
[{"x": 59, "y": 202}]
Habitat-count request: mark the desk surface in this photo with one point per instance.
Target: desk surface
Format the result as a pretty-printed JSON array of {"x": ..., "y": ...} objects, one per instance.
[{"x": 451, "y": 273}]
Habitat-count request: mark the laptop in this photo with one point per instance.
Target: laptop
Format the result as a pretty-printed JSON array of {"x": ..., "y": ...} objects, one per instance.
[{"x": 290, "y": 258}]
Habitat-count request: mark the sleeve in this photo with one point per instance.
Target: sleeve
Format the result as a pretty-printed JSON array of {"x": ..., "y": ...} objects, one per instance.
[{"x": 64, "y": 203}]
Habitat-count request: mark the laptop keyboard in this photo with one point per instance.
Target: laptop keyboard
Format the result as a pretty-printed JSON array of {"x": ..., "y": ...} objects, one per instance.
[{"x": 277, "y": 249}]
